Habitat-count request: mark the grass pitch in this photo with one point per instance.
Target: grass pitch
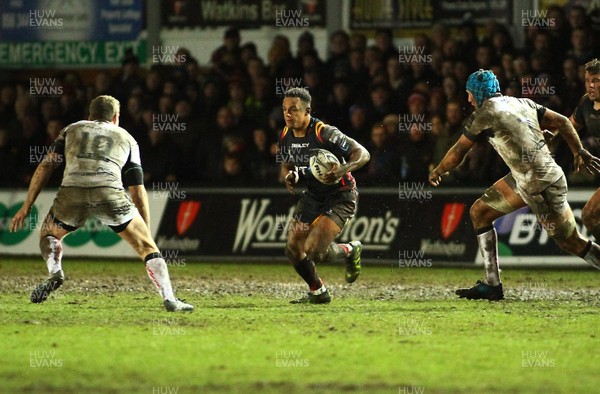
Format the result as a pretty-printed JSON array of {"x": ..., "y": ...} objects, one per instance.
[{"x": 393, "y": 331}]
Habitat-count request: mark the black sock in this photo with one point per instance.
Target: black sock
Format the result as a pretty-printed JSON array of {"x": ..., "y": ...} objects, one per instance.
[
  {"x": 585, "y": 250},
  {"x": 307, "y": 270}
]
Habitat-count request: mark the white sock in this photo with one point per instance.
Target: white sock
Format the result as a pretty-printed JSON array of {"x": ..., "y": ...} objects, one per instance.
[
  {"x": 53, "y": 254},
  {"x": 593, "y": 255},
  {"x": 159, "y": 275},
  {"x": 320, "y": 290},
  {"x": 488, "y": 244}
]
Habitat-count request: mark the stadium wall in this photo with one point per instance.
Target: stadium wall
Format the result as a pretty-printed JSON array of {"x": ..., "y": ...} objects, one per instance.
[{"x": 412, "y": 226}]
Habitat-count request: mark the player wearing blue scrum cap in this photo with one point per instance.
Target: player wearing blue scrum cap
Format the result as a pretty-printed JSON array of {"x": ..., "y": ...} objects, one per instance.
[{"x": 513, "y": 126}]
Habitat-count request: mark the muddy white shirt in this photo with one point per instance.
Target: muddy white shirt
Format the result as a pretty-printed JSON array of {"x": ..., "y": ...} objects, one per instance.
[
  {"x": 511, "y": 125},
  {"x": 95, "y": 152}
]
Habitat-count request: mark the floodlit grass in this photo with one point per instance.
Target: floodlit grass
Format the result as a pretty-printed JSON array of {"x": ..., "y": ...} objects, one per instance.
[{"x": 394, "y": 331}]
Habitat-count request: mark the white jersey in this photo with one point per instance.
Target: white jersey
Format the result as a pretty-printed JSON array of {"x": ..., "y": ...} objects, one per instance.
[
  {"x": 511, "y": 125},
  {"x": 95, "y": 152}
]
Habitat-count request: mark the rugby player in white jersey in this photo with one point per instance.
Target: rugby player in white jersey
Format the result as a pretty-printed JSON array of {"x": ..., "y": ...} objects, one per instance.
[
  {"x": 513, "y": 126},
  {"x": 100, "y": 159}
]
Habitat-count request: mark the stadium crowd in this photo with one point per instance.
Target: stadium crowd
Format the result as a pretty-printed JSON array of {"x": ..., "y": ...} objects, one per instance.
[{"x": 217, "y": 124}]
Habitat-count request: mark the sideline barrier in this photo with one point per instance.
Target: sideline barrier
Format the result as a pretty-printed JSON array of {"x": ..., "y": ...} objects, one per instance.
[
  {"x": 412, "y": 226},
  {"x": 409, "y": 226}
]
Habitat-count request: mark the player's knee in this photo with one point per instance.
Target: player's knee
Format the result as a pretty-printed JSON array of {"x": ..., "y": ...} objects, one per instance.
[
  {"x": 292, "y": 252},
  {"x": 479, "y": 213},
  {"x": 315, "y": 253},
  {"x": 566, "y": 236}
]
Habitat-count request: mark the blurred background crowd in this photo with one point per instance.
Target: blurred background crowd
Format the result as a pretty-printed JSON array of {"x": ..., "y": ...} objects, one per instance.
[{"x": 217, "y": 124}]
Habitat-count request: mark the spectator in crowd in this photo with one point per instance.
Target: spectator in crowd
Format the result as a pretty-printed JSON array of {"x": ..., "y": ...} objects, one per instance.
[
  {"x": 454, "y": 119},
  {"x": 339, "y": 51},
  {"x": 160, "y": 159},
  {"x": 440, "y": 33},
  {"x": 281, "y": 63},
  {"x": 358, "y": 41},
  {"x": 259, "y": 159},
  {"x": 384, "y": 41},
  {"x": 232, "y": 171},
  {"x": 571, "y": 86},
  {"x": 359, "y": 129},
  {"x": 381, "y": 102},
  {"x": 306, "y": 45},
  {"x": 382, "y": 169},
  {"x": 416, "y": 153},
  {"x": 8, "y": 160},
  {"x": 226, "y": 58},
  {"x": 338, "y": 107},
  {"x": 581, "y": 46}
]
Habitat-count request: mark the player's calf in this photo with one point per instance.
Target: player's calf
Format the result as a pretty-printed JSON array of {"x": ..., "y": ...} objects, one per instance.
[
  {"x": 567, "y": 238},
  {"x": 52, "y": 250},
  {"x": 590, "y": 215}
]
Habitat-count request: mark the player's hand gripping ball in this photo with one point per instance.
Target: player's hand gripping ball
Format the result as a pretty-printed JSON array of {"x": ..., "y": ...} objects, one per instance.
[{"x": 321, "y": 162}]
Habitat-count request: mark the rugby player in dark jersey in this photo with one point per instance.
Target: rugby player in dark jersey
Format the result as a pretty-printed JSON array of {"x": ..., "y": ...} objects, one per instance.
[
  {"x": 323, "y": 209},
  {"x": 586, "y": 118}
]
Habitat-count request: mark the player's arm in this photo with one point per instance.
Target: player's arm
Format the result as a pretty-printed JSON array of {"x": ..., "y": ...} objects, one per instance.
[
  {"x": 356, "y": 155},
  {"x": 132, "y": 176},
  {"x": 139, "y": 196},
  {"x": 40, "y": 178},
  {"x": 451, "y": 160},
  {"x": 565, "y": 127},
  {"x": 289, "y": 176}
]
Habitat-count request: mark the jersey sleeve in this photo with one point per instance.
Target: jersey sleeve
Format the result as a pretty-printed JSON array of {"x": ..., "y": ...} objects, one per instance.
[
  {"x": 578, "y": 112},
  {"x": 539, "y": 109},
  {"x": 470, "y": 129},
  {"x": 132, "y": 173},
  {"x": 335, "y": 140},
  {"x": 58, "y": 145}
]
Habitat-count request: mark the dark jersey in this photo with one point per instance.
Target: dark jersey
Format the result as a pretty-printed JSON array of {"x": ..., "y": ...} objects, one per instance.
[
  {"x": 296, "y": 151},
  {"x": 587, "y": 117}
]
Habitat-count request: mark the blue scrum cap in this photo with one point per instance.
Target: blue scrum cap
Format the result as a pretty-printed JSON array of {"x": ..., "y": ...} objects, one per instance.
[{"x": 483, "y": 84}]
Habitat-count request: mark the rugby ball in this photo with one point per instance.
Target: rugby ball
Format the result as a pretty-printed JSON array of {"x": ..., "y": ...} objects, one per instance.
[{"x": 321, "y": 161}]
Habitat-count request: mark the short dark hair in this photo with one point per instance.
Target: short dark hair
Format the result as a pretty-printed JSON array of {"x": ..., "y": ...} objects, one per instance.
[
  {"x": 300, "y": 93},
  {"x": 593, "y": 66}
]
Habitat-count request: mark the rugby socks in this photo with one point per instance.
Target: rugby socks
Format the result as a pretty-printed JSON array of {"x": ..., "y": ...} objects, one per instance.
[
  {"x": 159, "y": 275},
  {"x": 488, "y": 245},
  {"x": 52, "y": 251},
  {"x": 591, "y": 254},
  {"x": 307, "y": 270}
]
